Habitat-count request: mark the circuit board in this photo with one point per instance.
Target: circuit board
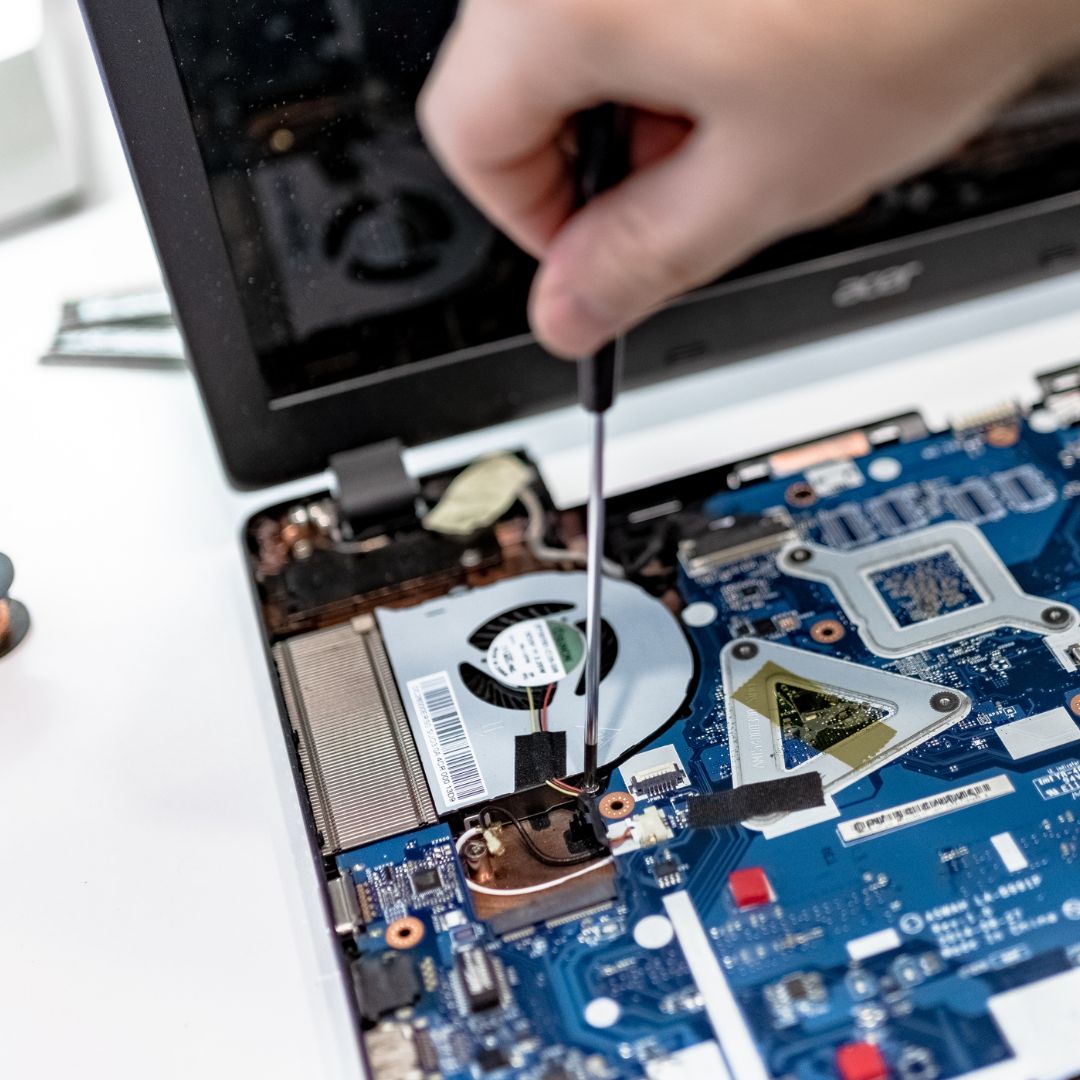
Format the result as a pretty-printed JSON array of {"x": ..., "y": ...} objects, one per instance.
[{"x": 867, "y": 942}]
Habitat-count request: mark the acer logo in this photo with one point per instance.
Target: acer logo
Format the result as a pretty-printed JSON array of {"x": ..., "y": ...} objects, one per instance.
[{"x": 877, "y": 284}]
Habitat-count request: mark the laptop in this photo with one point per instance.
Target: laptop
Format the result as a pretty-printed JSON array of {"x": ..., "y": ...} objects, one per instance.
[{"x": 836, "y": 834}]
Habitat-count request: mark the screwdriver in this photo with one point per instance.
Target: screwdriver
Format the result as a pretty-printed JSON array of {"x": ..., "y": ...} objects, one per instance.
[{"x": 603, "y": 161}]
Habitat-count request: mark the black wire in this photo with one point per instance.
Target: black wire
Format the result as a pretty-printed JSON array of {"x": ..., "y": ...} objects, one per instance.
[
  {"x": 536, "y": 852},
  {"x": 653, "y": 549}
]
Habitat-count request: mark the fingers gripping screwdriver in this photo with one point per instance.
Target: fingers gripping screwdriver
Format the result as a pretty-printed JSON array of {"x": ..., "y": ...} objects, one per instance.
[{"x": 603, "y": 161}]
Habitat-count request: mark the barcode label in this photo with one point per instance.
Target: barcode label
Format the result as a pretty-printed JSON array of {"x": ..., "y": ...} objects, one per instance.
[
  {"x": 447, "y": 739},
  {"x": 896, "y": 817}
]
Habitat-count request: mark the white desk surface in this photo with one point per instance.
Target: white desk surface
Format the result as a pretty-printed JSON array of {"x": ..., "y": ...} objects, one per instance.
[{"x": 157, "y": 908}]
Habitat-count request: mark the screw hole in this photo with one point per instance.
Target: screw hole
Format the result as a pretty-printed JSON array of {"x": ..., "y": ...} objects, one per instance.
[
  {"x": 944, "y": 702},
  {"x": 827, "y": 631},
  {"x": 1055, "y": 616},
  {"x": 800, "y": 494}
]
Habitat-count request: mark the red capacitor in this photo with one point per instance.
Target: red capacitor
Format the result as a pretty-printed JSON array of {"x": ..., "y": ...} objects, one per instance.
[
  {"x": 860, "y": 1061},
  {"x": 749, "y": 887}
]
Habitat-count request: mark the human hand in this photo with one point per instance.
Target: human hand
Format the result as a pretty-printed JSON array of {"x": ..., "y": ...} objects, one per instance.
[{"x": 753, "y": 119}]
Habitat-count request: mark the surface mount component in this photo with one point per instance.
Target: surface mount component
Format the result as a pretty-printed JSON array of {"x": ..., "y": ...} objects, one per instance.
[
  {"x": 357, "y": 754},
  {"x": 477, "y": 980},
  {"x": 479, "y": 669},
  {"x": 749, "y": 887},
  {"x": 928, "y": 588},
  {"x": 384, "y": 983},
  {"x": 734, "y": 538},
  {"x": 393, "y": 1052},
  {"x": 654, "y": 772},
  {"x": 852, "y": 718}
]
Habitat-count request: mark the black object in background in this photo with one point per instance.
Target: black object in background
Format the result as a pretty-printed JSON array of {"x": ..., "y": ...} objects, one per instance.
[{"x": 14, "y": 618}]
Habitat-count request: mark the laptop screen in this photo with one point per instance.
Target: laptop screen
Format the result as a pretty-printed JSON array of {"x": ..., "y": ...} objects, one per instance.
[
  {"x": 352, "y": 251},
  {"x": 354, "y": 256}
]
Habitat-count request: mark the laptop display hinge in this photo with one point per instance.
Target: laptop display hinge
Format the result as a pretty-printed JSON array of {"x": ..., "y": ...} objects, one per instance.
[{"x": 372, "y": 486}]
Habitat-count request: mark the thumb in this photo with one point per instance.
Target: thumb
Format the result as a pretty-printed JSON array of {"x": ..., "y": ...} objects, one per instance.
[{"x": 669, "y": 227}]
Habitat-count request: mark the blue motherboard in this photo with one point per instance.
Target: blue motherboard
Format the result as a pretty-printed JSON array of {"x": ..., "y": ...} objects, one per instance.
[{"x": 874, "y": 953}]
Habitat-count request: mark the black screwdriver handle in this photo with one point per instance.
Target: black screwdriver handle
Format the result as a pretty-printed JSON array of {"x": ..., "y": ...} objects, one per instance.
[
  {"x": 603, "y": 145},
  {"x": 603, "y": 136},
  {"x": 597, "y": 377}
]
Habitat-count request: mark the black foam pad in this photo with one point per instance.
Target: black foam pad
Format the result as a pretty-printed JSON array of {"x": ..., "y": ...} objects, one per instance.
[{"x": 802, "y": 791}]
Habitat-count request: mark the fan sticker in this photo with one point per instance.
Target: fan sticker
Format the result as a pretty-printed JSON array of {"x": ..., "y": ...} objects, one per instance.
[{"x": 535, "y": 652}]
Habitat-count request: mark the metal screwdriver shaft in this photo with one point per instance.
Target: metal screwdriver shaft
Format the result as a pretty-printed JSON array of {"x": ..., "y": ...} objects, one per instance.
[
  {"x": 603, "y": 160},
  {"x": 594, "y": 566}
]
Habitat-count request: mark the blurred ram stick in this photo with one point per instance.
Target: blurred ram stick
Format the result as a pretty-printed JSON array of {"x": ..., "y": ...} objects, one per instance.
[{"x": 133, "y": 329}]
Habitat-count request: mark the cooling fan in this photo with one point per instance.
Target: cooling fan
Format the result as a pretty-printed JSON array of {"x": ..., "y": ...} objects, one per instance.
[
  {"x": 500, "y": 641},
  {"x": 475, "y": 670}
]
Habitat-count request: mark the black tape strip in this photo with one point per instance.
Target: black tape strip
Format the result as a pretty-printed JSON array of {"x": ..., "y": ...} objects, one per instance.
[
  {"x": 539, "y": 757},
  {"x": 802, "y": 791}
]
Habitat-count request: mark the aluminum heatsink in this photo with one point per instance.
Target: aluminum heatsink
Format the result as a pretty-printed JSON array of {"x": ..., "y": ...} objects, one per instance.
[{"x": 359, "y": 760}]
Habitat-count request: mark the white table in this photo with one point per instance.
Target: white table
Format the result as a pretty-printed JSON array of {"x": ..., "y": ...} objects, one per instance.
[{"x": 158, "y": 913}]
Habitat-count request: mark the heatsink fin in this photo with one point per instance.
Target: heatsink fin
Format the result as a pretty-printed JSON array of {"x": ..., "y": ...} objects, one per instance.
[{"x": 363, "y": 774}]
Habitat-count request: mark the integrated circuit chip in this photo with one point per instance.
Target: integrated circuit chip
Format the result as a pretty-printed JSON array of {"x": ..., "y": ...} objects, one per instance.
[
  {"x": 492, "y": 1059},
  {"x": 477, "y": 980},
  {"x": 426, "y": 879},
  {"x": 820, "y": 718},
  {"x": 925, "y": 588}
]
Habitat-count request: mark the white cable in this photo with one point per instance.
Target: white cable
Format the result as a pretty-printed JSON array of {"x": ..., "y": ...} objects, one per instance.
[
  {"x": 466, "y": 836},
  {"x": 539, "y": 888},
  {"x": 534, "y": 538}
]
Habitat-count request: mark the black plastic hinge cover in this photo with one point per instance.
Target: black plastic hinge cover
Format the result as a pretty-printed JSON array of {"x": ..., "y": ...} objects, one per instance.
[{"x": 372, "y": 486}]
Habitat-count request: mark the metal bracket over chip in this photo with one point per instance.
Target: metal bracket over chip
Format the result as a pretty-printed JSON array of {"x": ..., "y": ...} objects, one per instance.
[
  {"x": 908, "y": 712},
  {"x": 1002, "y": 603}
]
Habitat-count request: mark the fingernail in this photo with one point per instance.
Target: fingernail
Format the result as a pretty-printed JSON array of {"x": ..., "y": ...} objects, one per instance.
[{"x": 568, "y": 325}]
